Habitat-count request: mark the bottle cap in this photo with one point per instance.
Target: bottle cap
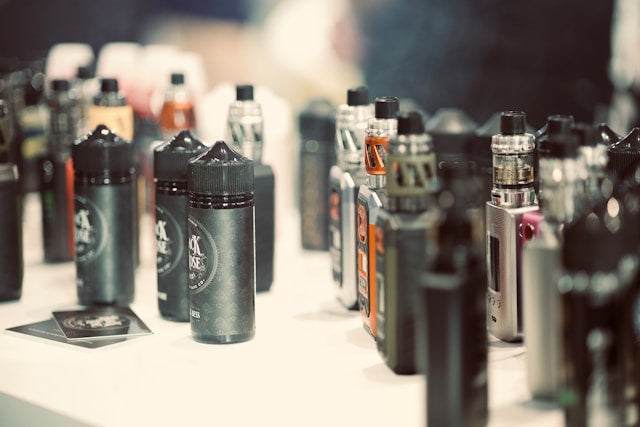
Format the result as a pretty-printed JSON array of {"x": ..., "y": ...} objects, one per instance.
[
  {"x": 59, "y": 85},
  {"x": 177, "y": 78},
  {"x": 557, "y": 124},
  {"x": 220, "y": 171},
  {"x": 410, "y": 123},
  {"x": 387, "y": 107},
  {"x": 606, "y": 136},
  {"x": 244, "y": 92},
  {"x": 512, "y": 123},
  {"x": 171, "y": 159},
  {"x": 102, "y": 151},
  {"x": 109, "y": 85},
  {"x": 358, "y": 96},
  {"x": 625, "y": 152}
]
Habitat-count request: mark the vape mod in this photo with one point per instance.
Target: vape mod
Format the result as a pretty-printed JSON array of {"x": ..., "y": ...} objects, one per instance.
[
  {"x": 344, "y": 180},
  {"x": 177, "y": 110},
  {"x": 170, "y": 165},
  {"x": 245, "y": 125},
  {"x": 11, "y": 264},
  {"x": 111, "y": 109},
  {"x": 103, "y": 218},
  {"x": 317, "y": 134},
  {"x": 625, "y": 152},
  {"x": 451, "y": 308},
  {"x": 561, "y": 191},
  {"x": 401, "y": 239},
  {"x": 56, "y": 174},
  {"x": 221, "y": 246},
  {"x": 372, "y": 197},
  {"x": 512, "y": 196}
]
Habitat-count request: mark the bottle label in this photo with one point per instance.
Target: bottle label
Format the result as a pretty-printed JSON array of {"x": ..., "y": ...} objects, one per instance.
[
  {"x": 90, "y": 230},
  {"x": 169, "y": 241},
  {"x": 118, "y": 119},
  {"x": 203, "y": 256}
]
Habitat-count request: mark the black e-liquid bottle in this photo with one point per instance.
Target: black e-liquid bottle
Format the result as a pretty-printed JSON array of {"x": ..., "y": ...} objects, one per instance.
[
  {"x": 170, "y": 163},
  {"x": 11, "y": 266},
  {"x": 221, "y": 246},
  {"x": 104, "y": 218}
]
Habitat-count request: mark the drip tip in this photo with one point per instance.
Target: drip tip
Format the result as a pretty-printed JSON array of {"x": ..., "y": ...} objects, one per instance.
[
  {"x": 387, "y": 107},
  {"x": 410, "y": 123},
  {"x": 59, "y": 85},
  {"x": 84, "y": 72},
  {"x": 358, "y": 96},
  {"x": 177, "y": 78},
  {"x": 512, "y": 122},
  {"x": 244, "y": 92},
  {"x": 109, "y": 85}
]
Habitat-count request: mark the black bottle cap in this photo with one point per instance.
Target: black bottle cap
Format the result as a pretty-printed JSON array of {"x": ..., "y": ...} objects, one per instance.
[
  {"x": 596, "y": 241},
  {"x": 387, "y": 107},
  {"x": 244, "y": 92},
  {"x": 410, "y": 123},
  {"x": 177, "y": 78},
  {"x": 109, "y": 85},
  {"x": 60, "y": 85},
  {"x": 102, "y": 151},
  {"x": 317, "y": 121},
  {"x": 559, "y": 123},
  {"x": 604, "y": 134},
  {"x": 171, "y": 159},
  {"x": 220, "y": 171},
  {"x": 84, "y": 72},
  {"x": 562, "y": 145},
  {"x": 358, "y": 96},
  {"x": 625, "y": 152},
  {"x": 585, "y": 134},
  {"x": 512, "y": 122}
]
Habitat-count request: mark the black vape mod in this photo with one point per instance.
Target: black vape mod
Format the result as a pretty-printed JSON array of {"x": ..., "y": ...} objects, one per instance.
[
  {"x": 245, "y": 128},
  {"x": 451, "y": 307},
  {"x": 221, "y": 246},
  {"x": 317, "y": 133},
  {"x": 56, "y": 174},
  {"x": 401, "y": 239},
  {"x": 170, "y": 165},
  {"x": 512, "y": 196},
  {"x": 371, "y": 198},
  {"x": 344, "y": 180},
  {"x": 104, "y": 218},
  {"x": 11, "y": 265}
]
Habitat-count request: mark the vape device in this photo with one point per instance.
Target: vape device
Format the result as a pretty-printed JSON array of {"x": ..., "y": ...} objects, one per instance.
[
  {"x": 11, "y": 264},
  {"x": 344, "y": 180},
  {"x": 555, "y": 124},
  {"x": 56, "y": 174},
  {"x": 452, "y": 132},
  {"x": 177, "y": 109},
  {"x": 451, "y": 308},
  {"x": 317, "y": 133},
  {"x": 561, "y": 192},
  {"x": 402, "y": 228},
  {"x": 103, "y": 218},
  {"x": 512, "y": 196},
  {"x": 623, "y": 153},
  {"x": 170, "y": 165},
  {"x": 221, "y": 246},
  {"x": 371, "y": 198},
  {"x": 110, "y": 108},
  {"x": 86, "y": 87},
  {"x": 245, "y": 125},
  {"x": 599, "y": 317}
]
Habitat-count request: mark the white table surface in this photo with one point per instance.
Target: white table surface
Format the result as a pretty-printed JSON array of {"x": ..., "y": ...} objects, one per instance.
[{"x": 311, "y": 362}]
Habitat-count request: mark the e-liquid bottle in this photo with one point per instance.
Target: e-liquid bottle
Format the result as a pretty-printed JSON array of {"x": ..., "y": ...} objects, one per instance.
[
  {"x": 104, "y": 218},
  {"x": 221, "y": 246},
  {"x": 56, "y": 174},
  {"x": 344, "y": 180},
  {"x": 317, "y": 133},
  {"x": 371, "y": 198},
  {"x": 245, "y": 125},
  {"x": 177, "y": 110},
  {"x": 170, "y": 163},
  {"x": 401, "y": 239},
  {"x": 110, "y": 108},
  {"x": 512, "y": 196},
  {"x": 451, "y": 307},
  {"x": 11, "y": 264},
  {"x": 623, "y": 153}
]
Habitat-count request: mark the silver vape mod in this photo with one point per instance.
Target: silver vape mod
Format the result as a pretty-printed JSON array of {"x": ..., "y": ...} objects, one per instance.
[
  {"x": 344, "y": 180},
  {"x": 511, "y": 197}
]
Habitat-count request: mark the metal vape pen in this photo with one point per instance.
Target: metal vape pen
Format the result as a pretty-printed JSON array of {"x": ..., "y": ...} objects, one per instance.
[
  {"x": 56, "y": 174},
  {"x": 401, "y": 239},
  {"x": 221, "y": 246},
  {"x": 11, "y": 264},
  {"x": 451, "y": 308},
  {"x": 317, "y": 133},
  {"x": 512, "y": 196},
  {"x": 371, "y": 197},
  {"x": 170, "y": 164},
  {"x": 110, "y": 108},
  {"x": 245, "y": 126},
  {"x": 344, "y": 180},
  {"x": 177, "y": 110},
  {"x": 104, "y": 218},
  {"x": 561, "y": 192}
]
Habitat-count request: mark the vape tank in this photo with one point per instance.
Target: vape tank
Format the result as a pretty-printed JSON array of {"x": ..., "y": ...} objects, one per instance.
[
  {"x": 401, "y": 239},
  {"x": 110, "y": 108},
  {"x": 245, "y": 125},
  {"x": 371, "y": 198},
  {"x": 177, "y": 110},
  {"x": 344, "y": 180},
  {"x": 86, "y": 87},
  {"x": 511, "y": 197},
  {"x": 561, "y": 186}
]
